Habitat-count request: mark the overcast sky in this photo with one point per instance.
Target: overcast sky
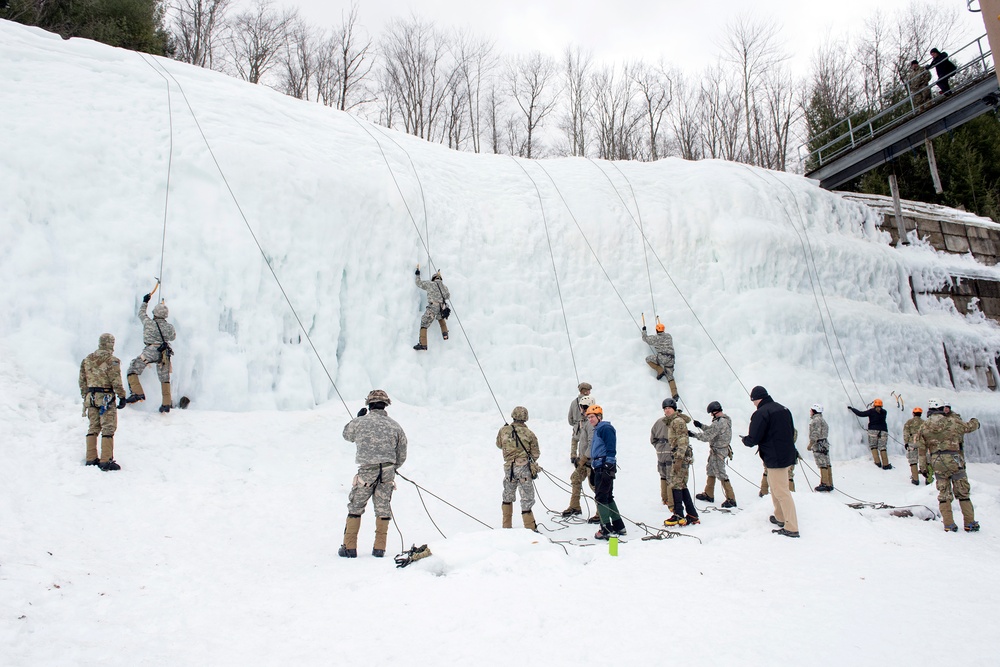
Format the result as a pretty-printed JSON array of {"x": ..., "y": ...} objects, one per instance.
[{"x": 685, "y": 33}]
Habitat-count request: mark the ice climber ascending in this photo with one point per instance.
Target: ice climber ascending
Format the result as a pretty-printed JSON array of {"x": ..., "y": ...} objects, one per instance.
[
  {"x": 662, "y": 360},
  {"x": 156, "y": 334},
  {"x": 437, "y": 308}
]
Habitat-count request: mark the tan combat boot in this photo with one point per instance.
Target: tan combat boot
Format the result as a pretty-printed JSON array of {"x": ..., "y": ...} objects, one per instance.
[
  {"x": 763, "y": 486},
  {"x": 968, "y": 513},
  {"x": 422, "y": 344},
  {"x": 885, "y": 460},
  {"x": 730, "y": 494},
  {"x": 349, "y": 549},
  {"x": 165, "y": 394},
  {"x": 875, "y": 457},
  {"x": 91, "y": 457},
  {"x": 107, "y": 463},
  {"x": 381, "y": 535},
  {"x": 673, "y": 389},
  {"x": 665, "y": 495},
  {"x": 947, "y": 518},
  {"x": 914, "y": 479},
  {"x": 508, "y": 515},
  {"x": 444, "y": 329},
  {"x": 528, "y": 518},
  {"x": 656, "y": 367},
  {"x": 136, "y": 388},
  {"x": 828, "y": 477},
  {"x": 709, "y": 494}
]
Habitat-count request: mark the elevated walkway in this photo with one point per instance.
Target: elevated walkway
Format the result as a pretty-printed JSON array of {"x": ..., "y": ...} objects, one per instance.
[{"x": 856, "y": 145}]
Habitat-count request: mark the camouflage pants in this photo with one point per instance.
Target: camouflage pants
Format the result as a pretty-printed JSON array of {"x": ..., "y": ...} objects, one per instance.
[
  {"x": 372, "y": 481},
  {"x": 151, "y": 355},
  {"x": 877, "y": 440},
  {"x": 663, "y": 467},
  {"x": 519, "y": 477},
  {"x": 822, "y": 460},
  {"x": 105, "y": 424},
  {"x": 679, "y": 476},
  {"x": 665, "y": 362},
  {"x": 911, "y": 455},
  {"x": 581, "y": 472},
  {"x": 717, "y": 466},
  {"x": 431, "y": 313},
  {"x": 950, "y": 477}
]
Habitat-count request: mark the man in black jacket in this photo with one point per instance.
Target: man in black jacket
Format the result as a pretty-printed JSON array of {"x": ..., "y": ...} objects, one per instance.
[
  {"x": 878, "y": 432},
  {"x": 772, "y": 432},
  {"x": 944, "y": 69}
]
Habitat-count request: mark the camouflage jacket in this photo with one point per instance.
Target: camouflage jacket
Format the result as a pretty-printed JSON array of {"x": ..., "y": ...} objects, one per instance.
[
  {"x": 151, "y": 328},
  {"x": 514, "y": 452},
  {"x": 940, "y": 433},
  {"x": 718, "y": 434},
  {"x": 677, "y": 435},
  {"x": 378, "y": 437},
  {"x": 436, "y": 290},
  {"x": 663, "y": 343},
  {"x": 818, "y": 431},
  {"x": 575, "y": 416},
  {"x": 584, "y": 438},
  {"x": 911, "y": 428},
  {"x": 101, "y": 369}
]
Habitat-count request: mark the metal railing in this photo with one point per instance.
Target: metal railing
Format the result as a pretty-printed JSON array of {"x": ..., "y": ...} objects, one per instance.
[{"x": 900, "y": 104}]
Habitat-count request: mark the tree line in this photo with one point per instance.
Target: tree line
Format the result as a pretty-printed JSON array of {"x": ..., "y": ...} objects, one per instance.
[{"x": 450, "y": 86}]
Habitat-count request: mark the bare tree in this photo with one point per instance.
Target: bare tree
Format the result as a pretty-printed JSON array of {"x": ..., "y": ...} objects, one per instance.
[
  {"x": 684, "y": 118},
  {"x": 578, "y": 99},
  {"x": 197, "y": 26},
  {"x": 257, "y": 37},
  {"x": 721, "y": 116},
  {"x": 529, "y": 80},
  {"x": 877, "y": 62},
  {"x": 417, "y": 75},
  {"x": 654, "y": 90},
  {"x": 476, "y": 63},
  {"x": 299, "y": 61},
  {"x": 344, "y": 64},
  {"x": 616, "y": 114}
]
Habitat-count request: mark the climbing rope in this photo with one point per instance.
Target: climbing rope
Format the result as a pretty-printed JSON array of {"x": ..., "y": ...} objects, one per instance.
[
  {"x": 555, "y": 273},
  {"x": 267, "y": 261},
  {"x": 170, "y": 162}
]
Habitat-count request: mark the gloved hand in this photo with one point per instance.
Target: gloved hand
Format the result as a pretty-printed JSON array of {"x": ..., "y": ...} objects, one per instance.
[
  {"x": 730, "y": 453},
  {"x": 573, "y": 460},
  {"x": 643, "y": 328},
  {"x": 698, "y": 424},
  {"x": 362, "y": 412},
  {"x": 121, "y": 403},
  {"x": 146, "y": 298},
  {"x": 848, "y": 407},
  {"x": 691, "y": 434},
  {"x": 747, "y": 441},
  {"x": 417, "y": 272}
]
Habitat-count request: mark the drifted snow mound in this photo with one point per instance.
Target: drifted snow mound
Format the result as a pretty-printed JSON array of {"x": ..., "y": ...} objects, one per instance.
[{"x": 761, "y": 277}]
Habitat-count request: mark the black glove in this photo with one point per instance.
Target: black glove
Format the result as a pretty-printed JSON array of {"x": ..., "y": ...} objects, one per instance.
[
  {"x": 573, "y": 460},
  {"x": 362, "y": 412},
  {"x": 698, "y": 424},
  {"x": 692, "y": 434},
  {"x": 121, "y": 403},
  {"x": 643, "y": 328},
  {"x": 747, "y": 441},
  {"x": 417, "y": 272},
  {"x": 146, "y": 298}
]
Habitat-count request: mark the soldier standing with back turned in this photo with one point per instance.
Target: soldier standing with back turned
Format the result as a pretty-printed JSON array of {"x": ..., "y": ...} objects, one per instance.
[
  {"x": 100, "y": 382},
  {"x": 520, "y": 452},
  {"x": 943, "y": 436},
  {"x": 381, "y": 450},
  {"x": 910, "y": 430}
]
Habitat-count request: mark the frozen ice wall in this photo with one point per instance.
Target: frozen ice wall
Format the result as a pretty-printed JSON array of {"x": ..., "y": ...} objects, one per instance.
[{"x": 762, "y": 278}]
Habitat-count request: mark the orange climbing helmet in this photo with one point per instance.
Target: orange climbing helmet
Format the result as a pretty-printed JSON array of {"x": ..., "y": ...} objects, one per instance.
[
  {"x": 595, "y": 410},
  {"x": 877, "y": 402},
  {"x": 660, "y": 328},
  {"x": 918, "y": 411}
]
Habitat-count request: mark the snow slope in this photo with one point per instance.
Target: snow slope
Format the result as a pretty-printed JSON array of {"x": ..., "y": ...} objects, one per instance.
[{"x": 216, "y": 543}]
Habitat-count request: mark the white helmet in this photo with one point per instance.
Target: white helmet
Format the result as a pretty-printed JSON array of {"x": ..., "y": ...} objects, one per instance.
[
  {"x": 934, "y": 403},
  {"x": 817, "y": 407},
  {"x": 585, "y": 401}
]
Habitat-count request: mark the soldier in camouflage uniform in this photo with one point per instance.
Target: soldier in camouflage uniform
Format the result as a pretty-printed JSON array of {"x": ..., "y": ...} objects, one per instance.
[
  {"x": 437, "y": 294},
  {"x": 910, "y": 430},
  {"x": 818, "y": 445},
  {"x": 580, "y": 457},
  {"x": 520, "y": 452},
  {"x": 381, "y": 449},
  {"x": 659, "y": 437},
  {"x": 680, "y": 451},
  {"x": 719, "y": 436},
  {"x": 100, "y": 382},
  {"x": 662, "y": 360},
  {"x": 156, "y": 334},
  {"x": 575, "y": 417},
  {"x": 942, "y": 436}
]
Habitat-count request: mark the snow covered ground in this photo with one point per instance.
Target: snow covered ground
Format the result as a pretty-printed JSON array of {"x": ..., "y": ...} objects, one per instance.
[{"x": 216, "y": 542}]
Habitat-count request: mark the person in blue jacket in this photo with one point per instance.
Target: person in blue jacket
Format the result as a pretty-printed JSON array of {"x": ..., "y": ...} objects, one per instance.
[{"x": 603, "y": 449}]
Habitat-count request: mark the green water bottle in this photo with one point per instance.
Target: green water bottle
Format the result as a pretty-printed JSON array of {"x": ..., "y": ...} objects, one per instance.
[{"x": 613, "y": 546}]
